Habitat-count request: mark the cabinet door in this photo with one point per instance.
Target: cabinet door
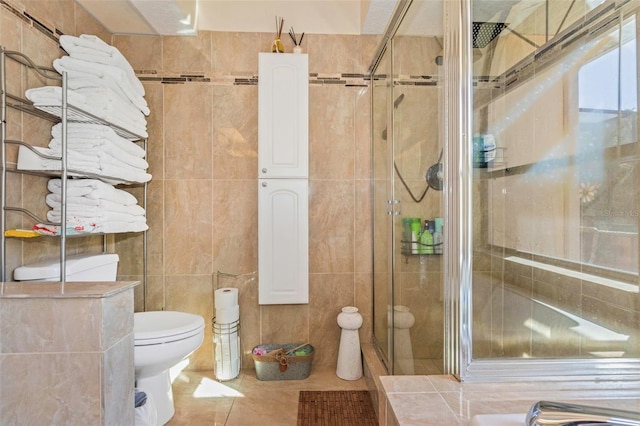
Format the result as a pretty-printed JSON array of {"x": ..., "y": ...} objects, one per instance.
[
  {"x": 283, "y": 115},
  {"x": 283, "y": 241}
]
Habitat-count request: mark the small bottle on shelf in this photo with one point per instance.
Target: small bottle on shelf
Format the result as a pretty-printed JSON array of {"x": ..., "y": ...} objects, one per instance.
[
  {"x": 426, "y": 239},
  {"x": 415, "y": 235},
  {"x": 437, "y": 235}
]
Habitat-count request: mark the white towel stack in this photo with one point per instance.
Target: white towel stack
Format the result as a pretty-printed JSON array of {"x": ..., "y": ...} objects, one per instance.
[
  {"x": 102, "y": 143},
  {"x": 94, "y": 207},
  {"x": 96, "y": 162},
  {"x": 100, "y": 81}
]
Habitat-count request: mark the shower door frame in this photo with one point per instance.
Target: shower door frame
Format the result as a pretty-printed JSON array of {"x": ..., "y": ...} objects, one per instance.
[
  {"x": 393, "y": 205},
  {"x": 458, "y": 169},
  {"x": 384, "y": 349}
]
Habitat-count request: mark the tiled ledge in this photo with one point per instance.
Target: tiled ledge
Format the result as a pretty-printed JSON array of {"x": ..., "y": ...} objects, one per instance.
[{"x": 443, "y": 401}]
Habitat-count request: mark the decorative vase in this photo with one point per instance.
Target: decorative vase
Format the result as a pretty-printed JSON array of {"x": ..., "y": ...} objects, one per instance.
[
  {"x": 349, "y": 355},
  {"x": 277, "y": 46},
  {"x": 297, "y": 49}
]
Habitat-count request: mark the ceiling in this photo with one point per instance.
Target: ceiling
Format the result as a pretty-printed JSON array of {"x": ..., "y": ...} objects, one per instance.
[{"x": 185, "y": 17}]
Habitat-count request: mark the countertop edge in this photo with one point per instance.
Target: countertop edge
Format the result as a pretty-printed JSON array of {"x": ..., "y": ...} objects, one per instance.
[{"x": 66, "y": 290}]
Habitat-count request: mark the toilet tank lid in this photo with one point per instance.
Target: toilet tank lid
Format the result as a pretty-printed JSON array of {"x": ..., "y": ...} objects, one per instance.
[{"x": 50, "y": 268}]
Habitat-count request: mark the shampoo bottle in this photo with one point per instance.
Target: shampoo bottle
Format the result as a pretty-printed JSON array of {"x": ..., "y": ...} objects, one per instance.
[
  {"x": 415, "y": 234},
  {"x": 437, "y": 236},
  {"x": 426, "y": 239}
]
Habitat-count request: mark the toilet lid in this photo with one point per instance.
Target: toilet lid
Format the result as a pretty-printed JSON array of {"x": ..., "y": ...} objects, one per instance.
[{"x": 155, "y": 327}]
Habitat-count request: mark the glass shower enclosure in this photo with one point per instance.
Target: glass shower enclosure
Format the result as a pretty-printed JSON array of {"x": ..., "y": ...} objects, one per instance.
[
  {"x": 408, "y": 199},
  {"x": 525, "y": 111}
]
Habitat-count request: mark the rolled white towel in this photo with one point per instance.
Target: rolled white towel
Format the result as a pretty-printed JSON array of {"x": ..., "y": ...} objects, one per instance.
[
  {"x": 84, "y": 72},
  {"x": 104, "y": 98},
  {"x": 92, "y": 189},
  {"x": 54, "y": 199},
  {"x": 106, "y": 158},
  {"x": 85, "y": 210},
  {"x": 48, "y": 96},
  {"x": 88, "y": 132},
  {"x": 87, "y": 41},
  {"x": 91, "y": 48},
  {"x": 114, "y": 174},
  {"x": 85, "y": 81},
  {"x": 78, "y": 167},
  {"x": 104, "y": 151},
  {"x": 90, "y": 145},
  {"x": 127, "y": 122},
  {"x": 29, "y": 160},
  {"x": 52, "y": 96}
]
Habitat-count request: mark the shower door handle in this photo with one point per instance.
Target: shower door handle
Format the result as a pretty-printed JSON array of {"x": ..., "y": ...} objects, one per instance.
[{"x": 391, "y": 207}]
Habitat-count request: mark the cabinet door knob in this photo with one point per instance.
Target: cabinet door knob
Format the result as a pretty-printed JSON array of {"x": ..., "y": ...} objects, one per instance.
[
  {"x": 264, "y": 184},
  {"x": 264, "y": 170}
]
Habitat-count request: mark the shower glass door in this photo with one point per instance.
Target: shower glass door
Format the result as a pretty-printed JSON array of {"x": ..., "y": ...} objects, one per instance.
[
  {"x": 408, "y": 198},
  {"x": 382, "y": 152},
  {"x": 554, "y": 188},
  {"x": 418, "y": 297}
]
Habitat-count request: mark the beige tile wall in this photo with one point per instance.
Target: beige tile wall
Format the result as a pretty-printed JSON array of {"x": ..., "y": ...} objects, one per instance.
[
  {"x": 203, "y": 197},
  {"x": 202, "y": 202}
]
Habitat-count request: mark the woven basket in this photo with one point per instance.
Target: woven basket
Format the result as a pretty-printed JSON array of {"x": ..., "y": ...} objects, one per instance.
[{"x": 279, "y": 366}]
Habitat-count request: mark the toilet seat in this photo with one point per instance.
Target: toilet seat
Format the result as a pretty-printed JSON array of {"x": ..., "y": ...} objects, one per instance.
[{"x": 159, "y": 327}]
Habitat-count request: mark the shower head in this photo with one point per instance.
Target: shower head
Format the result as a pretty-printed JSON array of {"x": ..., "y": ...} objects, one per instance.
[{"x": 484, "y": 32}]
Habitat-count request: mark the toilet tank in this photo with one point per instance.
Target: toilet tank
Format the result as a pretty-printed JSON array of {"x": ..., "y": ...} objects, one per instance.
[{"x": 84, "y": 267}]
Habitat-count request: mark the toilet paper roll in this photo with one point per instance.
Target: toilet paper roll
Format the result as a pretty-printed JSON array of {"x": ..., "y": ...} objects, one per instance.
[
  {"x": 227, "y": 357},
  {"x": 226, "y": 297},
  {"x": 227, "y": 315}
]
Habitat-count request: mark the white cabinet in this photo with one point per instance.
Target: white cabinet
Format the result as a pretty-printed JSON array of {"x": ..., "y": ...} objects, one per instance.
[
  {"x": 283, "y": 241},
  {"x": 283, "y": 194},
  {"x": 283, "y": 115}
]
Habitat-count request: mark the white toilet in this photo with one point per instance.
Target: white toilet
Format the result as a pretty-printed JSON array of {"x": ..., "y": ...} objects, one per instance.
[{"x": 162, "y": 339}]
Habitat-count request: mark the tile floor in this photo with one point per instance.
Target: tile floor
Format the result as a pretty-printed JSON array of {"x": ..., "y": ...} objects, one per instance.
[{"x": 201, "y": 400}]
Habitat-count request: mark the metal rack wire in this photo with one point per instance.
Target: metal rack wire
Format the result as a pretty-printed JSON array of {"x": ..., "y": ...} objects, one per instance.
[{"x": 63, "y": 113}]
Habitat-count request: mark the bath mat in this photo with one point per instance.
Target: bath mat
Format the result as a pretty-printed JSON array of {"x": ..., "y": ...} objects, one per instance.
[{"x": 336, "y": 408}]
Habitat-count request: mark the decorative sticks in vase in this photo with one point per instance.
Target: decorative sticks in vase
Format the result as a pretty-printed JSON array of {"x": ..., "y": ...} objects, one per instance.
[
  {"x": 297, "y": 43},
  {"x": 277, "y": 46}
]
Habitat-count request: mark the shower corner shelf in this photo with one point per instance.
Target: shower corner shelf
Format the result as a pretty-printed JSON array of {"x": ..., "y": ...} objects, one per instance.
[{"x": 407, "y": 253}]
